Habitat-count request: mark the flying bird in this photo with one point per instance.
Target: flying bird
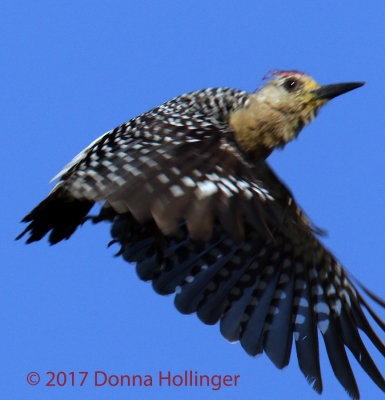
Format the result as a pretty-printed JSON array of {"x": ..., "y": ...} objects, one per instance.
[{"x": 193, "y": 202}]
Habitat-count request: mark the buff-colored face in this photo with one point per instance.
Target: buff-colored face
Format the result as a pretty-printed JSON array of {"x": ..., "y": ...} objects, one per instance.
[
  {"x": 292, "y": 92},
  {"x": 278, "y": 111}
]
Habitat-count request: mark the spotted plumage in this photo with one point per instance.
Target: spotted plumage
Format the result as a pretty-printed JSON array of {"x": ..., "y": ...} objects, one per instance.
[{"x": 196, "y": 207}]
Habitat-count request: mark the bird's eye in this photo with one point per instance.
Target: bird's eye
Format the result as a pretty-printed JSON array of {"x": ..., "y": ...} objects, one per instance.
[{"x": 291, "y": 84}]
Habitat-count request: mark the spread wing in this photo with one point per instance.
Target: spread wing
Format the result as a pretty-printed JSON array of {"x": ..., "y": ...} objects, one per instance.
[
  {"x": 262, "y": 273},
  {"x": 228, "y": 238}
]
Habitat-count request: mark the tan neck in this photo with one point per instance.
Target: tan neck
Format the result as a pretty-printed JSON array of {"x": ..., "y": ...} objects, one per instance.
[{"x": 260, "y": 127}]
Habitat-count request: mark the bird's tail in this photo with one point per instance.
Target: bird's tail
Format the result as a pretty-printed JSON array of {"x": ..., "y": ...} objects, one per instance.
[{"x": 59, "y": 213}]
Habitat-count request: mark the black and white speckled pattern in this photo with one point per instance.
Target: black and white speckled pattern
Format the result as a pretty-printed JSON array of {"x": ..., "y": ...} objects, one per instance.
[
  {"x": 201, "y": 220},
  {"x": 143, "y": 141}
]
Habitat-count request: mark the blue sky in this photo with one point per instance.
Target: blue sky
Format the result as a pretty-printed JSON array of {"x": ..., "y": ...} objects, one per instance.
[{"x": 71, "y": 71}]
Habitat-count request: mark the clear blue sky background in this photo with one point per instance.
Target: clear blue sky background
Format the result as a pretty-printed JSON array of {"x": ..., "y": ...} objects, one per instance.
[{"x": 71, "y": 71}]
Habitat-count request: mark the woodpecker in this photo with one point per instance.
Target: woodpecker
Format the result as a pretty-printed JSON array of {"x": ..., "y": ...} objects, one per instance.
[{"x": 193, "y": 202}]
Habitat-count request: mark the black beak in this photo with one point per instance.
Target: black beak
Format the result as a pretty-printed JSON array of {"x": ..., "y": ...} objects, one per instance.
[{"x": 328, "y": 92}]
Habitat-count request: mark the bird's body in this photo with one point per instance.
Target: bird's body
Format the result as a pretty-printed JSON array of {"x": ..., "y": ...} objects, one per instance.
[{"x": 195, "y": 205}]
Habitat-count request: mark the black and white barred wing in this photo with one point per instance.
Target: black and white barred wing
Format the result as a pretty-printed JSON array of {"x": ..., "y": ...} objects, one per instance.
[
  {"x": 226, "y": 236},
  {"x": 139, "y": 161},
  {"x": 265, "y": 289},
  {"x": 169, "y": 182}
]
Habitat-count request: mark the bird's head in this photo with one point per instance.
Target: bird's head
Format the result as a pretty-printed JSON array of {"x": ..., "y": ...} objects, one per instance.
[
  {"x": 294, "y": 92},
  {"x": 277, "y": 111}
]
